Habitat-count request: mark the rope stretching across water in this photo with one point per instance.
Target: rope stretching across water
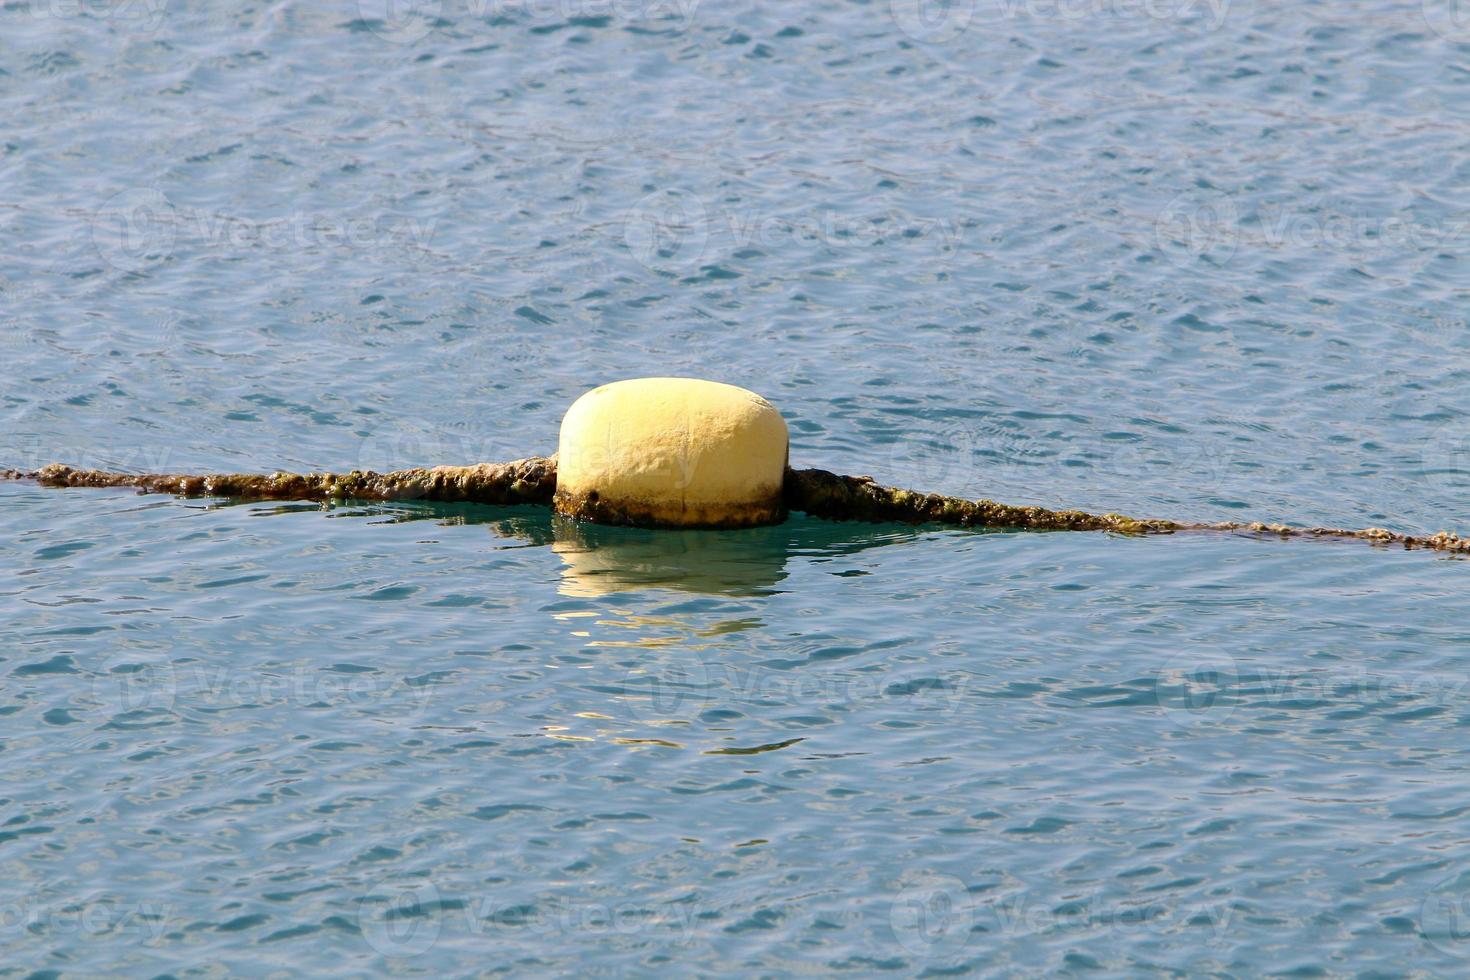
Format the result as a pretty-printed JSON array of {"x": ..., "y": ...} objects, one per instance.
[{"x": 817, "y": 492}]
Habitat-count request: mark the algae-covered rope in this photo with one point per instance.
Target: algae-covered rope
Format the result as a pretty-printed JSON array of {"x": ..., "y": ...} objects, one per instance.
[
  {"x": 824, "y": 494},
  {"x": 816, "y": 492},
  {"x": 524, "y": 481}
]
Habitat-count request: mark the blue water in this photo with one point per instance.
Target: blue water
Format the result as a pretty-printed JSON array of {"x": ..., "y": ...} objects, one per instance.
[{"x": 1195, "y": 260}]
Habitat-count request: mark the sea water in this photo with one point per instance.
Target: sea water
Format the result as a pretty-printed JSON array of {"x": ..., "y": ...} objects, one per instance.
[{"x": 1190, "y": 260}]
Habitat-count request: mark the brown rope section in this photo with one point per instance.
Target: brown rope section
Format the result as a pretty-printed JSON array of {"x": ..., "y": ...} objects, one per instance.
[
  {"x": 817, "y": 492},
  {"x": 524, "y": 481},
  {"x": 824, "y": 494}
]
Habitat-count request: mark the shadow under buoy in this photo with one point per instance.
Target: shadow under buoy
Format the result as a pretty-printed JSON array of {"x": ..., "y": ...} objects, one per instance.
[{"x": 600, "y": 560}]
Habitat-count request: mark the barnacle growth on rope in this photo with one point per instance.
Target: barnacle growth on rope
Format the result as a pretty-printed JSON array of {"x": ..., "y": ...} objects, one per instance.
[
  {"x": 824, "y": 494},
  {"x": 524, "y": 481},
  {"x": 816, "y": 492}
]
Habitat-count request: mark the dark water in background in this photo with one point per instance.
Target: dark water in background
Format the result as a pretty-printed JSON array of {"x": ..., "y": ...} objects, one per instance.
[{"x": 1190, "y": 259}]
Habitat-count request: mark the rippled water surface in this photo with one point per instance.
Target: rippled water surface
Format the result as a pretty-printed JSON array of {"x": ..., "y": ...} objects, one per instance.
[{"x": 1194, "y": 260}]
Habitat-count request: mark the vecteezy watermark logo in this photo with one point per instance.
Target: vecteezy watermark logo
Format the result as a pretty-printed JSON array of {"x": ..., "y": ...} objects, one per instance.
[
  {"x": 142, "y": 15},
  {"x": 626, "y": 11},
  {"x": 830, "y": 229},
  {"x": 125, "y": 683},
  {"x": 1196, "y": 688},
  {"x": 931, "y": 915},
  {"x": 940, "y": 21},
  {"x": 1438, "y": 328},
  {"x": 618, "y": 451},
  {"x": 678, "y": 690},
  {"x": 400, "y": 21},
  {"x": 1204, "y": 223},
  {"x": 669, "y": 691},
  {"x": 88, "y": 918},
  {"x": 134, "y": 228},
  {"x": 32, "y": 453},
  {"x": 1326, "y": 225},
  {"x": 941, "y": 463},
  {"x": 1445, "y": 461},
  {"x": 1015, "y": 918},
  {"x": 141, "y": 226},
  {"x": 671, "y": 232},
  {"x": 400, "y": 444},
  {"x": 1444, "y": 915},
  {"x": 410, "y": 21},
  {"x": 400, "y": 918},
  {"x": 932, "y": 21},
  {"x": 1450, "y": 19},
  {"x": 668, "y": 230},
  {"x": 129, "y": 682}
]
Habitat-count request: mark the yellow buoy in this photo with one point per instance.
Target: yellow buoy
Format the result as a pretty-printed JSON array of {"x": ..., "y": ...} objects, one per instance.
[{"x": 672, "y": 452}]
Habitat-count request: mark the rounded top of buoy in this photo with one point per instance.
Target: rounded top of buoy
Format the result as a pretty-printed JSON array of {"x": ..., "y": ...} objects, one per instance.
[{"x": 672, "y": 452}]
